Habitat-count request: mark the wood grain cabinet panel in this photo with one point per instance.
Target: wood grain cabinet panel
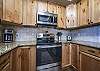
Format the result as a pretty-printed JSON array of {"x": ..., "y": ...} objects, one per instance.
[
  {"x": 29, "y": 12},
  {"x": 71, "y": 16},
  {"x": 70, "y": 55},
  {"x": 87, "y": 63},
  {"x": 42, "y": 6},
  {"x": 11, "y": 10},
  {"x": 65, "y": 55},
  {"x": 83, "y": 12},
  {"x": 28, "y": 58}
]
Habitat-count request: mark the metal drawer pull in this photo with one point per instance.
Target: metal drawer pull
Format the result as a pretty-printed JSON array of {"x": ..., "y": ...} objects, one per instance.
[{"x": 91, "y": 51}]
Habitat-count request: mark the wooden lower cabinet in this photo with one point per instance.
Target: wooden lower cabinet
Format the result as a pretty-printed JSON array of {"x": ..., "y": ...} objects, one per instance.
[
  {"x": 5, "y": 62},
  {"x": 89, "y": 59},
  {"x": 28, "y": 58},
  {"x": 89, "y": 63},
  {"x": 65, "y": 55},
  {"x": 23, "y": 59},
  {"x": 70, "y": 54}
]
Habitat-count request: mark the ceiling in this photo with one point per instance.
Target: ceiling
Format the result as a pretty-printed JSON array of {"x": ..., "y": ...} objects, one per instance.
[{"x": 62, "y": 2}]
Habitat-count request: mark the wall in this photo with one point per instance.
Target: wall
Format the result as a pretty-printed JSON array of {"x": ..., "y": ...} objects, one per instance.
[
  {"x": 91, "y": 34},
  {"x": 29, "y": 34}
]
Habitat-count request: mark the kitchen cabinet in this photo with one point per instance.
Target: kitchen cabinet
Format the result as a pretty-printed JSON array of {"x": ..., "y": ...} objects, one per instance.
[
  {"x": 71, "y": 16},
  {"x": 61, "y": 16},
  {"x": 70, "y": 54},
  {"x": 94, "y": 11},
  {"x": 16, "y": 59},
  {"x": 29, "y": 12},
  {"x": 42, "y": 6},
  {"x": 23, "y": 59},
  {"x": 18, "y": 11},
  {"x": 5, "y": 62},
  {"x": 52, "y": 8},
  {"x": 74, "y": 52},
  {"x": 89, "y": 59},
  {"x": 65, "y": 55},
  {"x": 11, "y": 10},
  {"x": 83, "y": 12},
  {"x": 28, "y": 58}
]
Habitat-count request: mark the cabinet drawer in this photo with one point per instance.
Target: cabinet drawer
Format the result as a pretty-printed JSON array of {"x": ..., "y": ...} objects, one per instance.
[{"x": 90, "y": 50}]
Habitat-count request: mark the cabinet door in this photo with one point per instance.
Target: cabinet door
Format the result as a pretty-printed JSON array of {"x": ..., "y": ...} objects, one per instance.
[
  {"x": 9, "y": 10},
  {"x": 65, "y": 55},
  {"x": 71, "y": 16},
  {"x": 28, "y": 59},
  {"x": 59, "y": 16},
  {"x": 34, "y": 12},
  {"x": 18, "y": 11},
  {"x": 16, "y": 60},
  {"x": 89, "y": 62},
  {"x": 52, "y": 8},
  {"x": 74, "y": 55},
  {"x": 83, "y": 13},
  {"x": 63, "y": 17},
  {"x": 96, "y": 11},
  {"x": 42, "y": 6}
]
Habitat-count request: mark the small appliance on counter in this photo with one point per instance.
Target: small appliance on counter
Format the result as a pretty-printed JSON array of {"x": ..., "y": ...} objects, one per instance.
[
  {"x": 69, "y": 38},
  {"x": 45, "y": 37},
  {"x": 59, "y": 34},
  {"x": 8, "y": 35}
]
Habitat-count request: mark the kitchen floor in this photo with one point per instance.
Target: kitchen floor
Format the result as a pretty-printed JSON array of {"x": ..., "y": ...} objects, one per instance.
[{"x": 69, "y": 68}]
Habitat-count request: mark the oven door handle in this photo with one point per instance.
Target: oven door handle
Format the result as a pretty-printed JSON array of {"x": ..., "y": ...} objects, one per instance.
[{"x": 56, "y": 46}]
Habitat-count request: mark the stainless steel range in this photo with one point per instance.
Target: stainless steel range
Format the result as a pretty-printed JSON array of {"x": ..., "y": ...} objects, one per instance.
[{"x": 48, "y": 53}]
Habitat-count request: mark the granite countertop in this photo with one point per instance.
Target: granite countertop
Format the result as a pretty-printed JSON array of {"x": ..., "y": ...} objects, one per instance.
[
  {"x": 95, "y": 45},
  {"x": 6, "y": 47}
]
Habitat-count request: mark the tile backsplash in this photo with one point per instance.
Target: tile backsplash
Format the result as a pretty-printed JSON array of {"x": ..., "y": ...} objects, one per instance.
[
  {"x": 91, "y": 34},
  {"x": 29, "y": 34}
]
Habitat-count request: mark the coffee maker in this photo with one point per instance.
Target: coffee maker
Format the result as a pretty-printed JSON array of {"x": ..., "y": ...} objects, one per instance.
[{"x": 8, "y": 35}]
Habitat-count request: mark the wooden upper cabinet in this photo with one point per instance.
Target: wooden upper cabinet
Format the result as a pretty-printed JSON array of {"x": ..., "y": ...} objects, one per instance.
[
  {"x": 61, "y": 16},
  {"x": 83, "y": 12},
  {"x": 29, "y": 12},
  {"x": 52, "y": 8},
  {"x": 11, "y": 10},
  {"x": 71, "y": 16},
  {"x": 95, "y": 7},
  {"x": 42, "y": 6},
  {"x": 18, "y": 11}
]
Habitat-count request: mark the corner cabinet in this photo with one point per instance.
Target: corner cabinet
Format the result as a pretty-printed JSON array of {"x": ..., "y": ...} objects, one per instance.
[
  {"x": 11, "y": 10},
  {"x": 89, "y": 59}
]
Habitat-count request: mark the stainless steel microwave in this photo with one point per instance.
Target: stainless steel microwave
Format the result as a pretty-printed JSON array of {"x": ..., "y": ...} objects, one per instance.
[{"x": 45, "y": 18}]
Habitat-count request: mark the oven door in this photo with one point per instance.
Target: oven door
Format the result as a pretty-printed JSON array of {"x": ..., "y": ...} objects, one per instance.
[{"x": 48, "y": 56}]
